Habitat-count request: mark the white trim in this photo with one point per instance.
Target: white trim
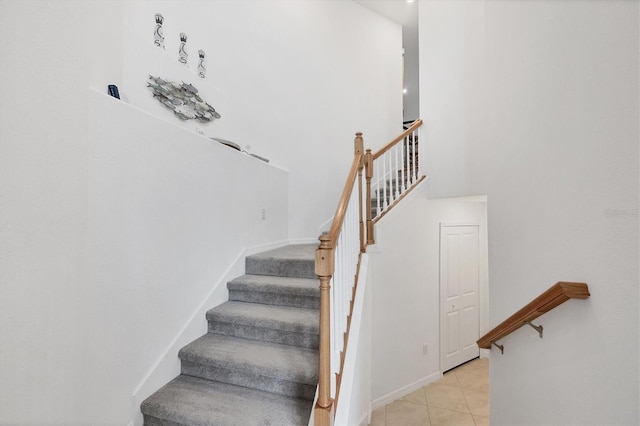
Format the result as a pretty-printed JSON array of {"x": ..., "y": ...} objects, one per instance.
[
  {"x": 405, "y": 390},
  {"x": 366, "y": 419},
  {"x": 446, "y": 224},
  {"x": 304, "y": 241}
]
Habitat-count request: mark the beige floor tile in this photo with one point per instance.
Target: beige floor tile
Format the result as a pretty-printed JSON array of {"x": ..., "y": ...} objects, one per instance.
[
  {"x": 378, "y": 417},
  {"x": 473, "y": 379},
  {"x": 478, "y": 402},
  {"x": 481, "y": 421},
  {"x": 417, "y": 396},
  {"x": 479, "y": 364},
  {"x": 448, "y": 379},
  {"x": 404, "y": 413},
  {"x": 440, "y": 416},
  {"x": 446, "y": 396}
]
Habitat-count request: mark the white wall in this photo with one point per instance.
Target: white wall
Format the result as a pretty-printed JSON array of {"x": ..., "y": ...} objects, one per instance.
[
  {"x": 109, "y": 235},
  {"x": 411, "y": 71},
  {"x": 406, "y": 287},
  {"x": 45, "y": 70},
  {"x": 557, "y": 120},
  {"x": 293, "y": 81}
]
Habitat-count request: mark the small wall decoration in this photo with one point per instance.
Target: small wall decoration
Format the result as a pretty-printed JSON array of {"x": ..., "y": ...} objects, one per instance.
[
  {"x": 158, "y": 37},
  {"x": 183, "y": 56},
  {"x": 113, "y": 91},
  {"x": 182, "y": 98},
  {"x": 202, "y": 71}
]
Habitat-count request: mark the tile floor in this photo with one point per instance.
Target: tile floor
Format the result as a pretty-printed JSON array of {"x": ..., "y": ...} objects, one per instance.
[{"x": 461, "y": 397}]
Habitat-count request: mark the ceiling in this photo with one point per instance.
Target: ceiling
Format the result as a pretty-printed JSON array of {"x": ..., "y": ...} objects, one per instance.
[{"x": 399, "y": 11}]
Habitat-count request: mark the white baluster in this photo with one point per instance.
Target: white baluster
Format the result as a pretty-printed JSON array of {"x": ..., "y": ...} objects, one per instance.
[
  {"x": 421, "y": 157},
  {"x": 332, "y": 320},
  {"x": 415, "y": 155},
  {"x": 384, "y": 181},
  {"x": 403, "y": 170},
  {"x": 378, "y": 196},
  {"x": 394, "y": 177}
]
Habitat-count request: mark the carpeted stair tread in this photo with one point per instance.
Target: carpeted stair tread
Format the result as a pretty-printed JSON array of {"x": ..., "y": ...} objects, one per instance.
[
  {"x": 198, "y": 402},
  {"x": 282, "y": 318},
  {"x": 254, "y": 357},
  {"x": 268, "y": 283},
  {"x": 272, "y": 290},
  {"x": 296, "y": 260}
]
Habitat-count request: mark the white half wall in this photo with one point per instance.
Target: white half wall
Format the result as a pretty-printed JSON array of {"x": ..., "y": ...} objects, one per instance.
[
  {"x": 354, "y": 403},
  {"x": 294, "y": 82},
  {"x": 536, "y": 105}
]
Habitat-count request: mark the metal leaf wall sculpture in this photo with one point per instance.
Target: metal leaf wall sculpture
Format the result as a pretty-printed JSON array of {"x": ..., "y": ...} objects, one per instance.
[{"x": 182, "y": 99}]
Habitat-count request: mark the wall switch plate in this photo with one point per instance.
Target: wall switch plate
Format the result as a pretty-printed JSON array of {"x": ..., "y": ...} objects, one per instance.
[{"x": 425, "y": 349}]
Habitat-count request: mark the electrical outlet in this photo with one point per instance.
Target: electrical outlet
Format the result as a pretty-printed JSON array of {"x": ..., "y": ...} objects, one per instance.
[
  {"x": 425, "y": 349},
  {"x": 263, "y": 214}
]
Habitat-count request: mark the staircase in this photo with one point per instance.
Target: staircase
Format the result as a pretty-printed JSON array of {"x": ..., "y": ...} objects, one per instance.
[{"x": 258, "y": 363}]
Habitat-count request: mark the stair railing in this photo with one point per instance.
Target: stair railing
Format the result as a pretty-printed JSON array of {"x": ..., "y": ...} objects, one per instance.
[
  {"x": 391, "y": 172},
  {"x": 337, "y": 260}
]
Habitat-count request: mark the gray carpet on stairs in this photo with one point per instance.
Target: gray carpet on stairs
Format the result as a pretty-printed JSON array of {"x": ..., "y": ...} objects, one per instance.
[
  {"x": 198, "y": 402},
  {"x": 288, "y": 261},
  {"x": 273, "y": 290},
  {"x": 258, "y": 363}
]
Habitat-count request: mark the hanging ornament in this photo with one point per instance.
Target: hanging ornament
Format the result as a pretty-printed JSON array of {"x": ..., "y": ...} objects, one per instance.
[
  {"x": 157, "y": 34},
  {"x": 183, "y": 56},
  {"x": 202, "y": 71}
]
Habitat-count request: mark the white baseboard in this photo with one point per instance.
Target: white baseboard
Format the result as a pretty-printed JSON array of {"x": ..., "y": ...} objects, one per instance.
[
  {"x": 405, "y": 390},
  {"x": 366, "y": 419},
  {"x": 305, "y": 241}
]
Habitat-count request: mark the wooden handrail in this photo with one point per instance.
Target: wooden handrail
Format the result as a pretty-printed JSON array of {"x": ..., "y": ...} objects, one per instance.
[
  {"x": 554, "y": 296},
  {"x": 338, "y": 218},
  {"x": 325, "y": 269},
  {"x": 403, "y": 135}
]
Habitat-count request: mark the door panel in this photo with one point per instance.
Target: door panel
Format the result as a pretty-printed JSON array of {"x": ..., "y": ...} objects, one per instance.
[{"x": 459, "y": 282}]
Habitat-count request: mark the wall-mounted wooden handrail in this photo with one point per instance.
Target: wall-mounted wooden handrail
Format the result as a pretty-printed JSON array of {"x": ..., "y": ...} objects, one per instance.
[
  {"x": 403, "y": 135},
  {"x": 554, "y": 296}
]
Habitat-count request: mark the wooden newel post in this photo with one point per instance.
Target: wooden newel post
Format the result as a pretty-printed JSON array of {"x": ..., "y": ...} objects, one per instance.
[
  {"x": 368, "y": 166},
  {"x": 325, "y": 267},
  {"x": 359, "y": 150}
]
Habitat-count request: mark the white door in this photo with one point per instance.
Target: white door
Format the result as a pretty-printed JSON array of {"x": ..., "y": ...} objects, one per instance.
[{"x": 459, "y": 282}]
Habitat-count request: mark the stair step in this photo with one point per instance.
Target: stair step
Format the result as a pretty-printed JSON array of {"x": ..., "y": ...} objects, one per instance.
[
  {"x": 271, "y": 290},
  {"x": 277, "y": 324},
  {"x": 198, "y": 402},
  {"x": 281, "y": 369},
  {"x": 290, "y": 261}
]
